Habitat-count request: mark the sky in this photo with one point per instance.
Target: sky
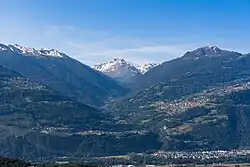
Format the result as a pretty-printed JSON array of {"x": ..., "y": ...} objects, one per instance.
[{"x": 140, "y": 31}]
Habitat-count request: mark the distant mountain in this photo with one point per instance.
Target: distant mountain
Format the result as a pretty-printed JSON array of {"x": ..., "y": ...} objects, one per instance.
[
  {"x": 61, "y": 73},
  {"x": 199, "y": 101},
  {"x": 119, "y": 69},
  {"x": 122, "y": 70}
]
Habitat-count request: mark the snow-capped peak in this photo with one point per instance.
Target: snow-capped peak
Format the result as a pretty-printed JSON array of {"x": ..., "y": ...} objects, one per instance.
[
  {"x": 212, "y": 47},
  {"x": 115, "y": 64},
  {"x": 35, "y": 52},
  {"x": 119, "y": 63},
  {"x": 211, "y": 50},
  {"x": 119, "y": 69}
]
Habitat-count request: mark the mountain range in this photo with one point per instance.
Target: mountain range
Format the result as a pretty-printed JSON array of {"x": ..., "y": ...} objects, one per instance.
[
  {"x": 60, "y": 72},
  {"x": 196, "y": 102},
  {"x": 38, "y": 122},
  {"x": 51, "y": 105}
]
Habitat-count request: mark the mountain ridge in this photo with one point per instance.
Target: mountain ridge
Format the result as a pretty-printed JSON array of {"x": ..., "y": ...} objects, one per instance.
[{"x": 37, "y": 52}]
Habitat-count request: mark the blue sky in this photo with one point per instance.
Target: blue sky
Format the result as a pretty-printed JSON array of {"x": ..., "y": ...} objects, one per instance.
[{"x": 140, "y": 31}]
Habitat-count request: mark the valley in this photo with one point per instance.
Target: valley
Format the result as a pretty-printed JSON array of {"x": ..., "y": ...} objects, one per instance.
[{"x": 200, "y": 108}]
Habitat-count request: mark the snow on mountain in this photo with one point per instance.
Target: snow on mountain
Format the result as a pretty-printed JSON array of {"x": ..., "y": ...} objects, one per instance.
[
  {"x": 23, "y": 50},
  {"x": 119, "y": 69},
  {"x": 31, "y": 51},
  {"x": 3, "y": 47},
  {"x": 213, "y": 48},
  {"x": 146, "y": 67},
  {"x": 116, "y": 64},
  {"x": 122, "y": 70},
  {"x": 50, "y": 52}
]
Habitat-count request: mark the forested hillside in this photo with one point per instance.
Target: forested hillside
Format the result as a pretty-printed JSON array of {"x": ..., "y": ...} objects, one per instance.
[
  {"x": 196, "y": 102},
  {"x": 38, "y": 122}
]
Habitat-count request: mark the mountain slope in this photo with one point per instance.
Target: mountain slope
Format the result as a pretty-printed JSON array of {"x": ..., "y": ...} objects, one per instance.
[
  {"x": 61, "y": 73},
  {"x": 186, "y": 65},
  {"x": 38, "y": 123},
  {"x": 195, "y": 102}
]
